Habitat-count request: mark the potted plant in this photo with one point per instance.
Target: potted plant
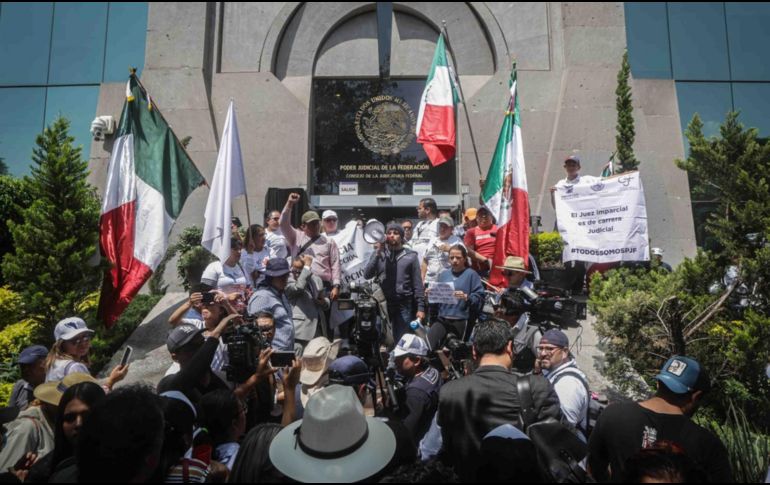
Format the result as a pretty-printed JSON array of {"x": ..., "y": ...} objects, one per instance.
[{"x": 547, "y": 249}]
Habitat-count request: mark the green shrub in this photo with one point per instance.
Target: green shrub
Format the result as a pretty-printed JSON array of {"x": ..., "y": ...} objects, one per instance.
[
  {"x": 15, "y": 337},
  {"x": 106, "y": 342},
  {"x": 748, "y": 450},
  {"x": 547, "y": 247},
  {"x": 11, "y": 306},
  {"x": 5, "y": 393}
]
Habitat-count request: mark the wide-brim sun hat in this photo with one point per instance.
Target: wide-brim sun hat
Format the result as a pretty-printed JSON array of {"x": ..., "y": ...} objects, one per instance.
[
  {"x": 316, "y": 358},
  {"x": 276, "y": 267},
  {"x": 334, "y": 442},
  {"x": 514, "y": 263},
  {"x": 51, "y": 392}
]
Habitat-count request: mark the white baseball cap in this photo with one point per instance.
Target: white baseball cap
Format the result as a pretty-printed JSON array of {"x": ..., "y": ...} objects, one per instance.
[
  {"x": 657, "y": 252},
  {"x": 329, "y": 214},
  {"x": 70, "y": 328}
]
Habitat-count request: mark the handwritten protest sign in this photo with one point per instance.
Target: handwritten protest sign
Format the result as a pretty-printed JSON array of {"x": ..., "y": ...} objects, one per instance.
[{"x": 442, "y": 293}]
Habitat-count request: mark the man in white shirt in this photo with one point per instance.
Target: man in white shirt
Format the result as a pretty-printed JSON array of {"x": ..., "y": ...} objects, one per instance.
[
  {"x": 275, "y": 239},
  {"x": 570, "y": 383},
  {"x": 427, "y": 229}
]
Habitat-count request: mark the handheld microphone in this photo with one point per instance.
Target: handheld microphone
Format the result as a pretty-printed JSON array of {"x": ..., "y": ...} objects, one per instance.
[{"x": 420, "y": 330}]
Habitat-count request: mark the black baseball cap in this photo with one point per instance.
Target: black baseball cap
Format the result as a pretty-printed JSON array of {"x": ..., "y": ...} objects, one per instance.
[{"x": 181, "y": 336}]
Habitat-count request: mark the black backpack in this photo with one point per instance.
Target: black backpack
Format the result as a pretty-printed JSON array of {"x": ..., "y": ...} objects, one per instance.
[{"x": 559, "y": 450}]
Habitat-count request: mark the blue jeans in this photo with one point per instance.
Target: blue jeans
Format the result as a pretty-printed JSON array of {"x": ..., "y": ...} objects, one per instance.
[{"x": 401, "y": 313}]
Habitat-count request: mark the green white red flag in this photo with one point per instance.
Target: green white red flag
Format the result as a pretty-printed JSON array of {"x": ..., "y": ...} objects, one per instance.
[
  {"x": 149, "y": 179},
  {"x": 505, "y": 190},
  {"x": 436, "y": 129}
]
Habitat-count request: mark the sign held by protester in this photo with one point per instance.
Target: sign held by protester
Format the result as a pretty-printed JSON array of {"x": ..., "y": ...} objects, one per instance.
[
  {"x": 603, "y": 220},
  {"x": 442, "y": 293}
]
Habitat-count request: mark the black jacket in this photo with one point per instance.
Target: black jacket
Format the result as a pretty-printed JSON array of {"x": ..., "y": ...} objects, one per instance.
[
  {"x": 471, "y": 407},
  {"x": 400, "y": 275}
]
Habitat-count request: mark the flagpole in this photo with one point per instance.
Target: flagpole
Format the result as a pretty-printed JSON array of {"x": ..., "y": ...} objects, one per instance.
[{"x": 462, "y": 98}]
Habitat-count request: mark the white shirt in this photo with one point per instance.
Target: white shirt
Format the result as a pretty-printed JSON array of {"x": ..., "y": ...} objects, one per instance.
[
  {"x": 277, "y": 244},
  {"x": 573, "y": 398},
  {"x": 424, "y": 233},
  {"x": 229, "y": 279},
  {"x": 436, "y": 259},
  {"x": 64, "y": 367},
  {"x": 255, "y": 262}
]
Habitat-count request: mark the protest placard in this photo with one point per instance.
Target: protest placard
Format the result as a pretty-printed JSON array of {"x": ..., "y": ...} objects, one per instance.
[{"x": 603, "y": 220}]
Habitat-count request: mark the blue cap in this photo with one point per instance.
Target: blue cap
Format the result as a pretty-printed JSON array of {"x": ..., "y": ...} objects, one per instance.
[
  {"x": 348, "y": 370},
  {"x": 573, "y": 158},
  {"x": 555, "y": 337},
  {"x": 32, "y": 354},
  {"x": 276, "y": 267},
  {"x": 683, "y": 374}
]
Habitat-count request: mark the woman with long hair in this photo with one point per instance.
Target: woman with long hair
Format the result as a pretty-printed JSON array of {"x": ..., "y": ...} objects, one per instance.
[
  {"x": 69, "y": 354},
  {"x": 255, "y": 253},
  {"x": 252, "y": 464},
  {"x": 73, "y": 410},
  {"x": 454, "y": 318}
]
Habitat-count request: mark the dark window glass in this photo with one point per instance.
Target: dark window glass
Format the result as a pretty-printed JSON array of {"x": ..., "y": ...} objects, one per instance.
[
  {"x": 388, "y": 160},
  {"x": 698, "y": 41},
  {"x": 647, "y": 35},
  {"x": 78, "y": 105},
  {"x": 21, "y": 120},
  {"x": 126, "y": 35},
  {"x": 77, "y": 47},
  {"x": 711, "y": 101},
  {"x": 747, "y": 30},
  {"x": 25, "y": 37},
  {"x": 753, "y": 101}
]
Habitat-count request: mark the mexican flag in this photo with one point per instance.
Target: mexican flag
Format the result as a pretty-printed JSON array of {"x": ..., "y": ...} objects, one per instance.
[
  {"x": 436, "y": 121},
  {"x": 149, "y": 178},
  {"x": 505, "y": 191}
]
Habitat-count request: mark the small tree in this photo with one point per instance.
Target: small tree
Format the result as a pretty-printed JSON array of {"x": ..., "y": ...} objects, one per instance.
[
  {"x": 731, "y": 171},
  {"x": 56, "y": 245},
  {"x": 624, "y": 140}
]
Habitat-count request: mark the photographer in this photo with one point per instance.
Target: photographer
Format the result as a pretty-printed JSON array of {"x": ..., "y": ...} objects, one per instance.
[
  {"x": 454, "y": 318},
  {"x": 513, "y": 309},
  {"x": 214, "y": 307},
  {"x": 423, "y": 383},
  {"x": 399, "y": 270},
  {"x": 471, "y": 407},
  {"x": 194, "y": 353},
  {"x": 271, "y": 297}
]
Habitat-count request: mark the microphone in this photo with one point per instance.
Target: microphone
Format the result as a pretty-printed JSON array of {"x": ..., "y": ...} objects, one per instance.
[{"x": 420, "y": 331}]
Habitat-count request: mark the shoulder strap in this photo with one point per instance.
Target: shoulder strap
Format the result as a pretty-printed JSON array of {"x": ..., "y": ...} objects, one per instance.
[
  {"x": 307, "y": 245},
  {"x": 572, "y": 371},
  {"x": 527, "y": 412},
  {"x": 68, "y": 366}
]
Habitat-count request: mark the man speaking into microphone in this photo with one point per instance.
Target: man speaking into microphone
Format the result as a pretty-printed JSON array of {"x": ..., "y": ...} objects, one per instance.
[{"x": 399, "y": 271}]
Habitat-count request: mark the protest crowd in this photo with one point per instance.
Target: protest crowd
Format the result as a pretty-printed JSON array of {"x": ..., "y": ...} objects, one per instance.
[{"x": 421, "y": 370}]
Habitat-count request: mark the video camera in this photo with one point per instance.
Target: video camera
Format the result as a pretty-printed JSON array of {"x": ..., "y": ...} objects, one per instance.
[
  {"x": 244, "y": 344},
  {"x": 544, "y": 304},
  {"x": 366, "y": 331}
]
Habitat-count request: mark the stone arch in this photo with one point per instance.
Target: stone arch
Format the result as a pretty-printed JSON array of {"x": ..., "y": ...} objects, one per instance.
[{"x": 310, "y": 31}]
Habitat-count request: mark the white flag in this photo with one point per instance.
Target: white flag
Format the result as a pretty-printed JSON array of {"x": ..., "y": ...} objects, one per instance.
[{"x": 228, "y": 183}]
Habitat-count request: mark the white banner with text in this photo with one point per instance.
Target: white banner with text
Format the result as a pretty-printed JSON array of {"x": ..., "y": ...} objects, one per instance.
[{"x": 603, "y": 220}]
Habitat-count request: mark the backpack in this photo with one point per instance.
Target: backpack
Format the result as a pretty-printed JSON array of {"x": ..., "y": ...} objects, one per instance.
[
  {"x": 572, "y": 372},
  {"x": 559, "y": 450}
]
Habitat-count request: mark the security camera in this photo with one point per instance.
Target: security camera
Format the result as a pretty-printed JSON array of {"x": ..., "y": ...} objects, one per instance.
[{"x": 101, "y": 126}]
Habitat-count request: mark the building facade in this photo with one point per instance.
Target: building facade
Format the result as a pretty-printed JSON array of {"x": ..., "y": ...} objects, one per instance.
[{"x": 316, "y": 84}]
